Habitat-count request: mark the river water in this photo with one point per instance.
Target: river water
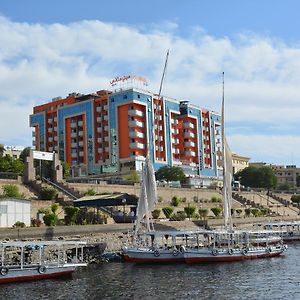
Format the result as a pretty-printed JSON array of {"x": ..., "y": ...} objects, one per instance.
[{"x": 272, "y": 278}]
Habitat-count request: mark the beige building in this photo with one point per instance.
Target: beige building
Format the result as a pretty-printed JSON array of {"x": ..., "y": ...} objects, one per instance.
[
  {"x": 286, "y": 174},
  {"x": 239, "y": 162},
  {"x": 13, "y": 151}
]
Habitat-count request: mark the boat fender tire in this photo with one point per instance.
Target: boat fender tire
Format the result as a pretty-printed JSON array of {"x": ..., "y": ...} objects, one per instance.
[
  {"x": 291, "y": 233},
  {"x": 175, "y": 252},
  {"x": 269, "y": 250},
  {"x": 285, "y": 247},
  {"x": 3, "y": 271},
  {"x": 156, "y": 253},
  {"x": 181, "y": 249},
  {"x": 215, "y": 252},
  {"x": 42, "y": 269},
  {"x": 244, "y": 251},
  {"x": 230, "y": 251}
]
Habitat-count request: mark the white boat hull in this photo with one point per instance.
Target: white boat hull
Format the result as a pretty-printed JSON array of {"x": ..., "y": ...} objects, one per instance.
[
  {"x": 206, "y": 255},
  {"x": 144, "y": 255},
  {"x": 12, "y": 274}
]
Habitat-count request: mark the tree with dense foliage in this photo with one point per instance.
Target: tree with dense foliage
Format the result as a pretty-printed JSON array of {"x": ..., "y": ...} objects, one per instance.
[
  {"x": 48, "y": 193},
  {"x": 2, "y": 149},
  {"x": 175, "y": 201},
  {"x": 10, "y": 164},
  {"x": 170, "y": 174},
  {"x": 133, "y": 176},
  {"x": 262, "y": 177},
  {"x": 168, "y": 211},
  {"x": 216, "y": 211},
  {"x": 190, "y": 211},
  {"x": 66, "y": 169},
  {"x": 156, "y": 213},
  {"x": 24, "y": 154}
]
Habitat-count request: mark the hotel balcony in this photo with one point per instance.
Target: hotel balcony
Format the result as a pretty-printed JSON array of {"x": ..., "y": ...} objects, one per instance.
[
  {"x": 55, "y": 119},
  {"x": 99, "y": 129},
  {"x": 133, "y": 123},
  {"x": 80, "y": 144},
  {"x": 136, "y": 146},
  {"x": 74, "y": 145},
  {"x": 106, "y": 149},
  {"x": 105, "y": 117},
  {"x": 174, "y": 131},
  {"x": 106, "y": 128},
  {"x": 73, "y": 125},
  {"x": 55, "y": 128},
  {"x": 190, "y": 153},
  {"x": 174, "y": 121},
  {"x": 55, "y": 138},
  {"x": 50, "y": 121},
  {"x": 106, "y": 139},
  {"x": 135, "y": 112},
  {"x": 73, "y": 134},
  {"x": 98, "y": 108},
  {"x": 175, "y": 141},
  {"x": 33, "y": 134},
  {"x": 80, "y": 123},
  {"x": 73, "y": 155},
  {"x": 81, "y": 153},
  {"x": 99, "y": 140},
  {"x": 175, "y": 151},
  {"x": 50, "y": 129},
  {"x": 188, "y": 125},
  {"x": 136, "y": 134},
  {"x": 105, "y": 107},
  {"x": 80, "y": 133},
  {"x": 189, "y": 135},
  {"x": 99, "y": 119},
  {"x": 189, "y": 144},
  {"x": 50, "y": 139},
  {"x": 55, "y": 148},
  {"x": 50, "y": 149},
  {"x": 100, "y": 150}
]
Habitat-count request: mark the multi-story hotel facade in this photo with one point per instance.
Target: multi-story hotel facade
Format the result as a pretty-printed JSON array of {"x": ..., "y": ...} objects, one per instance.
[{"x": 110, "y": 131}]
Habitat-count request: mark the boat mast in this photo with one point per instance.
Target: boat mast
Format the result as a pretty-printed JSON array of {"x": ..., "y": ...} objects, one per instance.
[{"x": 226, "y": 188}]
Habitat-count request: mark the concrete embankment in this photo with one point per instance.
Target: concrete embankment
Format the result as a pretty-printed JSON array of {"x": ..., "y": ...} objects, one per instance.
[{"x": 116, "y": 235}]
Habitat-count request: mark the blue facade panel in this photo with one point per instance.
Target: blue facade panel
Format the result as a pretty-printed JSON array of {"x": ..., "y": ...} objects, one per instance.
[{"x": 39, "y": 119}]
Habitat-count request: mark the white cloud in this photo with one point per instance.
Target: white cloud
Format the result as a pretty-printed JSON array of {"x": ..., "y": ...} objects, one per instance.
[{"x": 262, "y": 74}]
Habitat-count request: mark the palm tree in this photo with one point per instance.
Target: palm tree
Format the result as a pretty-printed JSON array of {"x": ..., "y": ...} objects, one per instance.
[{"x": 2, "y": 149}]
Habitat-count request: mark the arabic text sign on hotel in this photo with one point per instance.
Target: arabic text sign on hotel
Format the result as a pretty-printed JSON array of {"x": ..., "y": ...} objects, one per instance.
[{"x": 43, "y": 155}]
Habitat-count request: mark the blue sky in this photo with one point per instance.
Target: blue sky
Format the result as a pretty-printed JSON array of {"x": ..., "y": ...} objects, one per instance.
[{"x": 52, "y": 48}]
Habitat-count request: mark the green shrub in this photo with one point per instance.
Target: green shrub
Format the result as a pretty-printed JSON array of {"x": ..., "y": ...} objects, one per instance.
[
  {"x": 54, "y": 207},
  {"x": 190, "y": 211},
  {"x": 255, "y": 212},
  {"x": 215, "y": 199},
  {"x": 160, "y": 199},
  {"x": 175, "y": 201},
  {"x": 203, "y": 212},
  {"x": 156, "y": 213},
  {"x": 11, "y": 191},
  {"x": 19, "y": 224},
  {"x": 71, "y": 213},
  {"x": 48, "y": 193},
  {"x": 247, "y": 212},
  {"x": 295, "y": 198},
  {"x": 168, "y": 211},
  {"x": 216, "y": 211},
  {"x": 50, "y": 219},
  {"x": 90, "y": 192},
  {"x": 183, "y": 200},
  {"x": 179, "y": 216}
]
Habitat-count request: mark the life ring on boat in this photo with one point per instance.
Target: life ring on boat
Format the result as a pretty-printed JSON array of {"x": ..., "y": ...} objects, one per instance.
[
  {"x": 3, "y": 271},
  {"x": 244, "y": 251},
  {"x": 42, "y": 269},
  {"x": 215, "y": 252},
  {"x": 181, "y": 249},
  {"x": 175, "y": 252},
  {"x": 230, "y": 251},
  {"x": 156, "y": 253}
]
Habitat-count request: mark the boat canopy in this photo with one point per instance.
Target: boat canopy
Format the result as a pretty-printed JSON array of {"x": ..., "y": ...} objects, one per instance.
[{"x": 106, "y": 200}]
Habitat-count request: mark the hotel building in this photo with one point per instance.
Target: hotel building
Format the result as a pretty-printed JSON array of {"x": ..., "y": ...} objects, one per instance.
[{"x": 111, "y": 131}]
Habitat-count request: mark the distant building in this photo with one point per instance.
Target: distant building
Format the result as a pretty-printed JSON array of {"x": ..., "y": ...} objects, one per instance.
[
  {"x": 13, "y": 151},
  {"x": 110, "y": 131},
  {"x": 286, "y": 174},
  {"x": 239, "y": 162}
]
